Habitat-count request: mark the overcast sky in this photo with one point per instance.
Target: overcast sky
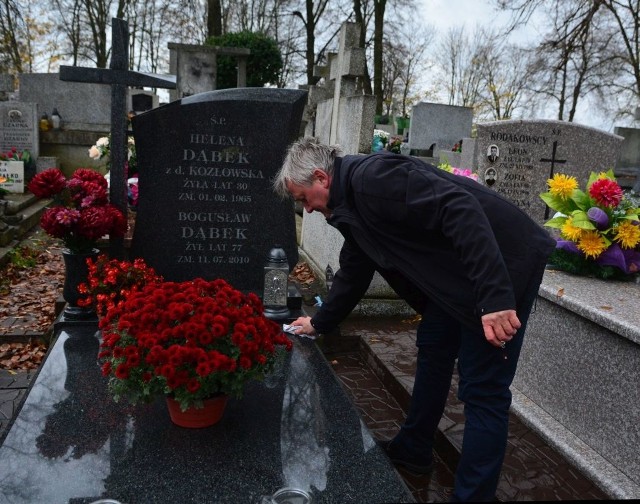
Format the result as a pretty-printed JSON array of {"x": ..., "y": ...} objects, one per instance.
[{"x": 444, "y": 14}]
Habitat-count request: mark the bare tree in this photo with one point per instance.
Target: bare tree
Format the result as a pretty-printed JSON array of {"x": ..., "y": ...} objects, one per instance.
[
  {"x": 505, "y": 72},
  {"x": 310, "y": 19},
  {"x": 578, "y": 23},
  {"x": 69, "y": 15},
  {"x": 13, "y": 33},
  {"x": 460, "y": 58},
  {"x": 415, "y": 39}
]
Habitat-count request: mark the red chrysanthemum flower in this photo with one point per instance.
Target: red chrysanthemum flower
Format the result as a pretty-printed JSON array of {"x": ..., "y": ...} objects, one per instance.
[
  {"x": 47, "y": 183},
  {"x": 193, "y": 338},
  {"x": 606, "y": 192},
  {"x": 122, "y": 371}
]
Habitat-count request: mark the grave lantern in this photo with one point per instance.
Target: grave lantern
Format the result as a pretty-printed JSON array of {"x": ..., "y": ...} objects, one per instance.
[
  {"x": 56, "y": 120},
  {"x": 276, "y": 278},
  {"x": 328, "y": 277}
]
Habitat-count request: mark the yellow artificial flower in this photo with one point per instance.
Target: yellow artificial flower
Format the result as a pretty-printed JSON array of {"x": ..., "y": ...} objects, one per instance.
[
  {"x": 627, "y": 234},
  {"x": 571, "y": 232},
  {"x": 592, "y": 244},
  {"x": 562, "y": 185}
]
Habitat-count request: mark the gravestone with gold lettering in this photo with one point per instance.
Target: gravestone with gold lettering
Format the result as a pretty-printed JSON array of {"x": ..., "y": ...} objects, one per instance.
[
  {"x": 516, "y": 158},
  {"x": 206, "y": 207}
]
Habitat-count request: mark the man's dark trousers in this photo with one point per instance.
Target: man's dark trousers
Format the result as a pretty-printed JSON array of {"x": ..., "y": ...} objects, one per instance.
[{"x": 485, "y": 374}]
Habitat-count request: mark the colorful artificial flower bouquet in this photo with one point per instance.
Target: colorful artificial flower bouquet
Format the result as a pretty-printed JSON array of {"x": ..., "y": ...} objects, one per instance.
[
  {"x": 82, "y": 213},
  {"x": 384, "y": 141},
  {"x": 462, "y": 172},
  {"x": 380, "y": 140},
  {"x": 599, "y": 229},
  {"x": 14, "y": 155},
  {"x": 189, "y": 340},
  {"x": 394, "y": 143},
  {"x": 109, "y": 281}
]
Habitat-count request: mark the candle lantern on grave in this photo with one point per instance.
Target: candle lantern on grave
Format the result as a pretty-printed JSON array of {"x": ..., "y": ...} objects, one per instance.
[
  {"x": 56, "y": 119},
  {"x": 276, "y": 278}
]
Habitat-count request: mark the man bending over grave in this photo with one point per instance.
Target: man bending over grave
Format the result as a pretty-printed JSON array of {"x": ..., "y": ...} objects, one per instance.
[{"x": 466, "y": 259}]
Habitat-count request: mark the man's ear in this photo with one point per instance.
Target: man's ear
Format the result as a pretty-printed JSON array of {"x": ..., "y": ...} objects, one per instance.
[{"x": 322, "y": 176}]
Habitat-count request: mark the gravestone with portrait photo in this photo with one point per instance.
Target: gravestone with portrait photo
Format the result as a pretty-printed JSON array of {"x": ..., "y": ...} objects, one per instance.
[
  {"x": 516, "y": 158},
  {"x": 206, "y": 207}
]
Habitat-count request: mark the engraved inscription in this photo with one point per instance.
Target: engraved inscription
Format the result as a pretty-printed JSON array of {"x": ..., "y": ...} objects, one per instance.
[{"x": 215, "y": 168}]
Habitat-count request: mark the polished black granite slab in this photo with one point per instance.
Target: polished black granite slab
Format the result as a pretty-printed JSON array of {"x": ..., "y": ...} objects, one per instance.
[{"x": 72, "y": 444}]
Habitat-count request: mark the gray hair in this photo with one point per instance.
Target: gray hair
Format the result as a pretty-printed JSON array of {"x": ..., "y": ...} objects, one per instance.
[{"x": 304, "y": 156}]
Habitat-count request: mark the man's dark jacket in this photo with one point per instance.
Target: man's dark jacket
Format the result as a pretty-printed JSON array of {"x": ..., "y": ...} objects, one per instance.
[{"x": 433, "y": 236}]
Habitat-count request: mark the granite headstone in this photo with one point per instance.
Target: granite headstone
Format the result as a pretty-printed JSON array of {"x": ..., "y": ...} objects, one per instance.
[
  {"x": 516, "y": 158},
  {"x": 12, "y": 172},
  {"x": 435, "y": 126},
  {"x": 206, "y": 207},
  {"x": 628, "y": 166},
  {"x": 347, "y": 116},
  {"x": 19, "y": 127},
  {"x": 140, "y": 100}
]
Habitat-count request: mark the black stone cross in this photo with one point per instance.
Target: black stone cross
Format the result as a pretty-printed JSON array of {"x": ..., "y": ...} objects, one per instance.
[
  {"x": 119, "y": 77},
  {"x": 553, "y": 162}
]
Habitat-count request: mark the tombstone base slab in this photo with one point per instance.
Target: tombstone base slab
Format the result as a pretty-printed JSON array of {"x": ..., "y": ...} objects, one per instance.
[{"x": 298, "y": 430}]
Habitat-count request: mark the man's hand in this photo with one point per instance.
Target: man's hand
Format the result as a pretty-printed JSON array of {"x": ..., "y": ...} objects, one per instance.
[
  {"x": 500, "y": 327},
  {"x": 304, "y": 326}
]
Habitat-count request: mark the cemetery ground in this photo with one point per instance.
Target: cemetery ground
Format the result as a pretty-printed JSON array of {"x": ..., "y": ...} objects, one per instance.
[{"x": 373, "y": 359}]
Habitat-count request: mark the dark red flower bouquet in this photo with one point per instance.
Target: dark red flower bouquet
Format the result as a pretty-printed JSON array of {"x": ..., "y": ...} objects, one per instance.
[
  {"x": 189, "y": 340},
  {"x": 82, "y": 213},
  {"x": 109, "y": 281}
]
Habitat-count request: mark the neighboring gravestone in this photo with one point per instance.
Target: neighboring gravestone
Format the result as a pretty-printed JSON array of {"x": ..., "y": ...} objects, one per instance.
[
  {"x": 347, "y": 117},
  {"x": 83, "y": 106},
  {"x": 516, "y": 158},
  {"x": 13, "y": 172},
  {"x": 140, "y": 100},
  {"x": 206, "y": 207},
  {"x": 628, "y": 166},
  {"x": 435, "y": 126},
  {"x": 19, "y": 127},
  {"x": 195, "y": 67}
]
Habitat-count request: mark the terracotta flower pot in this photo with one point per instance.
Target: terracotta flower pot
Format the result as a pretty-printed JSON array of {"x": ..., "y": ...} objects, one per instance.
[{"x": 196, "y": 418}]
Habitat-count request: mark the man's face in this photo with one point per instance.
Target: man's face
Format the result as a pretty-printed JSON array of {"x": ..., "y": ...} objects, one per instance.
[{"x": 313, "y": 197}]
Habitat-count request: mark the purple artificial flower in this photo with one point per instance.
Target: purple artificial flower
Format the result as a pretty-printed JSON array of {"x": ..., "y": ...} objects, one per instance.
[
  {"x": 567, "y": 246},
  {"x": 627, "y": 260},
  {"x": 613, "y": 256},
  {"x": 599, "y": 217}
]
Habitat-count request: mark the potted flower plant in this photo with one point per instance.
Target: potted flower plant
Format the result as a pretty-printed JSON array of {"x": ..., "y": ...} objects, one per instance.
[
  {"x": 109, "y": 281},
  {"x": 598, "y": 229},
  {"x": 190, "y": 341},
  {"x": 394, "y": 144},
  {"x": 80, "y": 215}
]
